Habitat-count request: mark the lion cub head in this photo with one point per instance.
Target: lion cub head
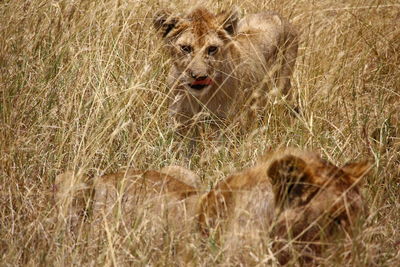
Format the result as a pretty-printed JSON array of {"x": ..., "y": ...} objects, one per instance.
[
  {"x": 196, "y": 43},
  {"x": 314, "y": 200},
  {"x": 295, "y": 199}
]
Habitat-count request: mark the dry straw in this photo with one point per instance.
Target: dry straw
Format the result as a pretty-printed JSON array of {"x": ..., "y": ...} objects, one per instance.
[{"x": 83, "y": 88}]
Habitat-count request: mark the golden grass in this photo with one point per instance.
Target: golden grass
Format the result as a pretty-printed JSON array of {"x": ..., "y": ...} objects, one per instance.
[{"x": 83, "y": 87}]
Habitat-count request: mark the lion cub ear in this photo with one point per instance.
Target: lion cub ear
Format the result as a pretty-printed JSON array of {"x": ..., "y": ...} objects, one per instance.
[
  {"x": 164, "y": 22},
  {"x": 229, "y": 20},
  {"x": 289, "y": 178},
  {"x": 357, "y": 170}
]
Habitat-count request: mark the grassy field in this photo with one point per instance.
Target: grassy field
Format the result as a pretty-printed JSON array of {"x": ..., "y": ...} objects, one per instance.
[{"x": 82, "y": 87}]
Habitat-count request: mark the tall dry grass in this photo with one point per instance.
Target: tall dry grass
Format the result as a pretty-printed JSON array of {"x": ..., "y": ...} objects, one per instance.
[{"x": 83, "y": 88}]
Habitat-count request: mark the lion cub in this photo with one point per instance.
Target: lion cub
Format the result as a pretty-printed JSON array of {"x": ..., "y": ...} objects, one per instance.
[
  {"x": 290, "y": 203},
  {"x": 222, "y": 64}
]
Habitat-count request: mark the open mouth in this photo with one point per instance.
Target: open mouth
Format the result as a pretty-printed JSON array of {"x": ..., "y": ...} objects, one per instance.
[{"x": 200, "y": 84}]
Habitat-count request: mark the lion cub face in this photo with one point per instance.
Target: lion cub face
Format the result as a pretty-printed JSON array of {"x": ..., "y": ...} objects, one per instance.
[{"x": 196, "y": 43}]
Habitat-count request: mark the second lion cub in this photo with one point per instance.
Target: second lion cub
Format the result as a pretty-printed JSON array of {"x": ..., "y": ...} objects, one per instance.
[{"x": 291, "y": 203}]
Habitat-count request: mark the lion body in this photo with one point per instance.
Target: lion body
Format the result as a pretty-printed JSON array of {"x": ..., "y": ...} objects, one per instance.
[{"x": 292, "y": 200}]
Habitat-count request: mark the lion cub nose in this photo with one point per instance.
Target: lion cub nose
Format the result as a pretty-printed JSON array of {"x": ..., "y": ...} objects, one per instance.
[{"x": 198, "y": 77}]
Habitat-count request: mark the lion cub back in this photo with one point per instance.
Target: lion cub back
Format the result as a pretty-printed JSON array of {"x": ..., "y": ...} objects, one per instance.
[{"x": 121, "y": 198}]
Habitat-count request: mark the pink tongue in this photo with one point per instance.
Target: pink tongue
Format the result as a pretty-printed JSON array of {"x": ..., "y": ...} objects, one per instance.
[{"x": 206, "y": 81}]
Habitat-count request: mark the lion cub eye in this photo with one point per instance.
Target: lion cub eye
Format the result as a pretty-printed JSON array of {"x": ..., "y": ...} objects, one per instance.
[
  {"x": 186, "y": 49},
  {"x": 211, "y": 50}
]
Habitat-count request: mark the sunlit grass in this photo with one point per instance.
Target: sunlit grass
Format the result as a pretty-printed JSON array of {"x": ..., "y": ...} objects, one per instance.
[{"x": 83, "y": 88}]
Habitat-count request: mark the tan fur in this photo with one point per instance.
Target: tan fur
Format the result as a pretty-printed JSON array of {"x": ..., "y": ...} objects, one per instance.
[
  {"x": 152, "y": 202},
  {"x": 182, "y": 174},
  {"x": 119, "y": 196},
  {"x": 293, "y": 201},
  {"x": 122, "y": 198},
  {"x": 255, "y": 56}
]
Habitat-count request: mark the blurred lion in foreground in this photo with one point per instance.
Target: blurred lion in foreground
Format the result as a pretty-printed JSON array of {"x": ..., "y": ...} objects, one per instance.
[
  {"x": 292, "y": 203},
  {"x": 222, "y": 64}
]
